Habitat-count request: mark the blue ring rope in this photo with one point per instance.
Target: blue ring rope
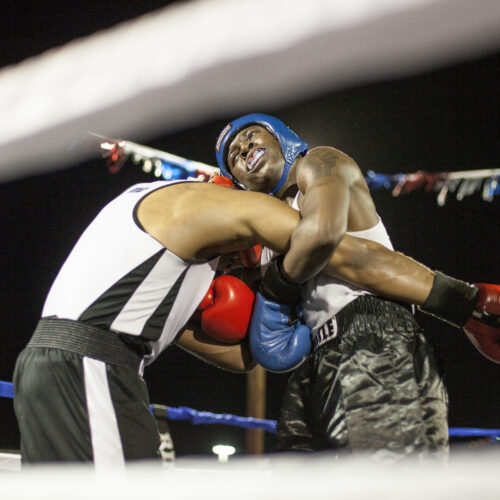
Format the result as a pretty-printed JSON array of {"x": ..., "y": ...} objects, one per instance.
[
  {"x": 6, "y": 389},
  {"x": 206, "y": 417}
]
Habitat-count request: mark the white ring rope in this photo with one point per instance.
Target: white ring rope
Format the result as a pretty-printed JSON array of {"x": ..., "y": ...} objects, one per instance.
[{"x": 198, "y": 60}]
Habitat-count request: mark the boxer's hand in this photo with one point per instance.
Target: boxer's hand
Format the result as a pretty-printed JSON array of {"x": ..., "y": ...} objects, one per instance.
[
  {"x": 226, "y": 309},
  {"x": 276, "y": 343},
  {"x": 483, "y": 328},
  {"x": 475, "y": 308}
]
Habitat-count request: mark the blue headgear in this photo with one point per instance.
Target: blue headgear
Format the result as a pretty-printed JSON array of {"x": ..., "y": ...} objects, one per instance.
[{"x": 291, "y": 144}]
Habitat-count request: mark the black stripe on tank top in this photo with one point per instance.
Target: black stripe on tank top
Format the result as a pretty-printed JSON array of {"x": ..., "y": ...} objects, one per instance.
[
  {"x": 103, "y": 311},
  {"x": 154, "y": 325}
]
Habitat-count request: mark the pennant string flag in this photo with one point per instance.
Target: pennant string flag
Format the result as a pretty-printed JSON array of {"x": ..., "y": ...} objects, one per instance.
[{"x": 171, "y": 167}]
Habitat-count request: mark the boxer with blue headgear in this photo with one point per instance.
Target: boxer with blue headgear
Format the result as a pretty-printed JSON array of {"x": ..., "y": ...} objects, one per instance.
[
  {"x": 361, "y": 342},
  {"x": 291, "y": 144},
  {"x": 257, "y": 151}
]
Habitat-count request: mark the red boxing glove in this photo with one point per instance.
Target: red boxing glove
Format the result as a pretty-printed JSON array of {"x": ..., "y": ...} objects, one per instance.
[
  {"x": 483, "y": 328},
  {"x": 251, "y": 256},
  {"x": 221, "y": 181},
  {"x": 226, "y": 309}
]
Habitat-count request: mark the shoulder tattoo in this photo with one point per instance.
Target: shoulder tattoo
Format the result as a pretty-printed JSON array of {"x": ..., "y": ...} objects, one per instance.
[{"x": 322, "y": 162}]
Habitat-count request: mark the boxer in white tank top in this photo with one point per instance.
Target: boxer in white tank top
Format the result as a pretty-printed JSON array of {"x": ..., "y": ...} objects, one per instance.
[
  {"x": 371, "y": 385},
  {"x": 324, "y": 296}
]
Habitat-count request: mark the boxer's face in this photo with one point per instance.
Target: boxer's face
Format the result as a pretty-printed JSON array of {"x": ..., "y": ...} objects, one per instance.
[{"x": 255, "y": 158}]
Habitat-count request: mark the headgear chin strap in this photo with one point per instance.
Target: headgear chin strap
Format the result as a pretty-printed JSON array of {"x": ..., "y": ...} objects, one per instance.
[{"x": 291, "y": 144}]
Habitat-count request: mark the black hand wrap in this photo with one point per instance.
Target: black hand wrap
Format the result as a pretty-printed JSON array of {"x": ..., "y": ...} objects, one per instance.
[
  {"x": 451, "y": 300},
  {"x": 276, "y": 287}
]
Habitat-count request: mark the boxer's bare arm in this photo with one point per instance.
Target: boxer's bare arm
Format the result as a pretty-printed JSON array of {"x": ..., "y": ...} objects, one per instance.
[
  {"x": 235, "y": 358},
  {"x": 199, "y": 220},
  {"x": 380, "y": 270},
  {"x": 334, "y": 199}
]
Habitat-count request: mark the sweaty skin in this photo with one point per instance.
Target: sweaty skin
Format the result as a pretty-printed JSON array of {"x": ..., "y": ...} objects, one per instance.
[
  {"x": 333, "y": 199},
  {"x": 198, "y": 220}
]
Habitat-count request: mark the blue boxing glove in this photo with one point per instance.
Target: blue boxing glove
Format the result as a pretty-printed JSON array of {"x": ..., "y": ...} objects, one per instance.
[
  {"x": 278, "y": 340},
  {"x": 274, "y": 343}
]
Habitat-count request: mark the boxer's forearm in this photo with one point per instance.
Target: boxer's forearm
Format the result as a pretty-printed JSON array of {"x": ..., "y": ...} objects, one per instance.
[
  {"x": 381, "y": 271},
  {"x": 234, "y": 357},
  {"x": 308, "y": 257}
]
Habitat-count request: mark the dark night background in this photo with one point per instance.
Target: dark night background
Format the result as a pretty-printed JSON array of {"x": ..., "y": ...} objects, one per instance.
[{"x": 445, "y": 119}]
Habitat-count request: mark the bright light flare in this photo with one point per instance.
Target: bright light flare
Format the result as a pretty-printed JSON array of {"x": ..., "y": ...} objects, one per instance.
[{"x": 223, "y": 452}]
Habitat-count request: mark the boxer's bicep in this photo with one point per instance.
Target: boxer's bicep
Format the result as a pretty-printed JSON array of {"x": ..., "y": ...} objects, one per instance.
[
  {"x": 201, "y": 220},
  {"x": 241, "y": 219}
]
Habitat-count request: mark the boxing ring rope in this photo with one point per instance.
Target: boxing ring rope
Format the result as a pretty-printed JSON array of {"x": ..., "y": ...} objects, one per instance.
[
  {"x": 204, "y": 417},
  {"x": 204, "y": 66},
  {"x": 192, "y": 62},
  {"x": 172, "y": 167}
]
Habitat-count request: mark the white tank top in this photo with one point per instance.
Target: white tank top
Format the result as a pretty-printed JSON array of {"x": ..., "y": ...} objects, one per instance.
[
  {"x": 325, "y": 296},
  {"x": 120, "y": 278}
]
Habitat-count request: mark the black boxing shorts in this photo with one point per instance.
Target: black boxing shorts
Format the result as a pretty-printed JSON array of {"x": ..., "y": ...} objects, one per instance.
[
  {"x": 79, "y": 398},
  {"x": 372, "y": 388}
]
